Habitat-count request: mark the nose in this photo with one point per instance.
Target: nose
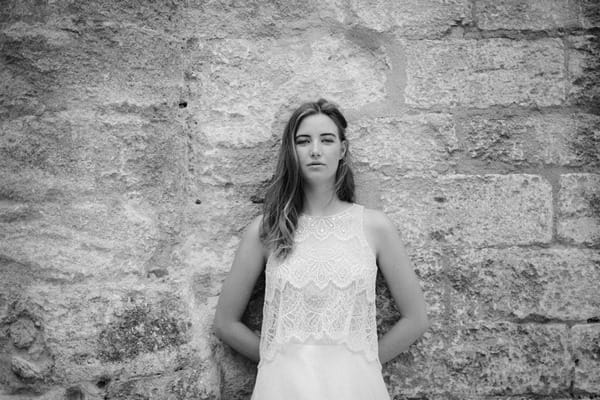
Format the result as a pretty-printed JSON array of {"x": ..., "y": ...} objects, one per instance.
[{"x": 315, "y": 150}]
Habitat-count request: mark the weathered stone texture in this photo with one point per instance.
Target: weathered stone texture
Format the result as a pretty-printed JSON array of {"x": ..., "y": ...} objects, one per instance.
[
  {"x": 404, "y": 146},
  {"x": 368, "y": 187},
  {"x": 23, "y": 333},
  {"x": 585, "y": 340},
  {"x": 188, "y": 383},
  {"x": 101, "y": 330},
  {"x": 482, "y": 73},
  {"x": 27, "y": 10},
  {"x": 584, "y": 71},
  {"x": 124, "y": 246},
  {"x": 137, "y": 139},
  {"x": 257, "y": 19},
  {"x": 75, "y": 62},
  {"x": 420, "y": 371},
  {"x": 245, "y": 166},
  {"x": 537, "y": 14},
  {"x": 507, "y": 359},
  {"x": 527, "y": 15},
  {"x": 471, "y": 210},
  {"x": 590, "y": 13},
  {"x": 524, "y": 284},
  {"x": 26, "y": 361},
  {"x": 533, "y": 139},
  {"x": 224, "y": 210},
  {"x": 412, "y": 18},
  {"x": 579, "y": 208},
  {"x": 417, "y": 371},
  {"x": 138, "y": 330},
  {"x": 239, "y": 374},
  {"x": 25, "y": 369},
  {"x": 237, "y": 85}
]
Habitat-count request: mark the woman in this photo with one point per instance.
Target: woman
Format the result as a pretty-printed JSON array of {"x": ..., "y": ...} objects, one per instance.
[{"x": 321, "y": 252}]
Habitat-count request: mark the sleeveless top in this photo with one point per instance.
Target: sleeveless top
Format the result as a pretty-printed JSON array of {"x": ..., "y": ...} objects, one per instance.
[{"x": 324, "y": 291}]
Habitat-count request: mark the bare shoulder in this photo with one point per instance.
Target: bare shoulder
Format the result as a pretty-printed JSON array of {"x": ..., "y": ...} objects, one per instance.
[
  {"x": 251, "y": 237},
  {"x": 379, "y": 228},
  {"x": 377, "y": 222},
  {"x": 253, "y": 227}
]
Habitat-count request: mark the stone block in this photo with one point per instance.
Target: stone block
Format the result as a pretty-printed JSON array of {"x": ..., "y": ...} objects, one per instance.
[
  {"x": 586, "y": 354},
  {"x": 408, "y": 145},
  {"x": 507, "y": 359},
  {"x": 194, "y": 382},
  {"x": 245, "y": 166},
  {"x": 139, "y": 150},
  {"x": 18, "y": 95},
  {"x": 157, "y": 15},
  {"x": 470, "y": 210},
  {"x": 28, "y": 10},
  {"x": 98, "y": 60},
  {"x": 96, "y": 333},
  {"x": 240, "y": 89},
  {"x": 590, "y": 13},
  {"x": 44, "y": 142},
  {"x": 412, "y": 18},
  {"x": 85, "y": 239},
  {"x": 61, "y": 169},
  {"x": 583, "y": 63},
  {"x": 486, "y": 72},
  {"x": 524, "y": 284},
  {"x": 200, "y": 20},
  {"x": 66, "y": 155},
  {"x": 579, "y": 208},
  {"x": 534, "y": 139},
  {"x": 530, "y": 15},
  {"x": 418, "y": 372}
]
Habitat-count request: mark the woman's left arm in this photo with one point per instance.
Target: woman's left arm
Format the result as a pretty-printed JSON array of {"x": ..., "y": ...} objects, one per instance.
[{"x": 394, "y": 263}]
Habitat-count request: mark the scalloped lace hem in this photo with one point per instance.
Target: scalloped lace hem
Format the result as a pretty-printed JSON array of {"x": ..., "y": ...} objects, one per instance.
[{"x": 325, "y": 340}]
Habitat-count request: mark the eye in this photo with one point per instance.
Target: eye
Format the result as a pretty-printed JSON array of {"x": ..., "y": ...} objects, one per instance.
[
  {"x": 301, "y": 141},
  {"x": 328, "y": 140}
]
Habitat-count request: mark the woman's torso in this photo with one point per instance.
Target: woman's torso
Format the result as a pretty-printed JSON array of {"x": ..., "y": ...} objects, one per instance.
[{"x": 324, "y": 291}]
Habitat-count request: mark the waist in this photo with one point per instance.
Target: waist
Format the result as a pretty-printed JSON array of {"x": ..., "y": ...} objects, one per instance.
[{"x": 332, "y": 355}]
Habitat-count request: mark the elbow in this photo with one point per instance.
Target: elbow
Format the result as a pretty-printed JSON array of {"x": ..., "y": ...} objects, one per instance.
[
  {"x": 424, "y": 323},
  {"x": 219, "y": 328},
  {"x": 421, "y": 324}
]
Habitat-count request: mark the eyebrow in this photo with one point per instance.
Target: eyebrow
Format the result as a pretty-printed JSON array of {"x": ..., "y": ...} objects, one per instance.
[{"x": 321, "y": 134}]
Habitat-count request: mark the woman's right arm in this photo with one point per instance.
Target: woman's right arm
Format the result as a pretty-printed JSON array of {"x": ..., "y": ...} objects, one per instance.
[{"x": 247, "y": 266}]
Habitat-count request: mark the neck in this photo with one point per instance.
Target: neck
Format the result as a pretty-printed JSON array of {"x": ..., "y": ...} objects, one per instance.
[{"x": 320, "y": 200}]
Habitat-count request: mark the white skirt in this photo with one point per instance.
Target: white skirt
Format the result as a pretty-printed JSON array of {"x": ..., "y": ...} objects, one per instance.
[{"x": 319, "y": 372}]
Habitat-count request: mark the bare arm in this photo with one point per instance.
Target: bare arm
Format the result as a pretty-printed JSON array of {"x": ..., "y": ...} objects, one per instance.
[
  {"x": 247, "y": 266},
  {"x": 396, "y": 268}
]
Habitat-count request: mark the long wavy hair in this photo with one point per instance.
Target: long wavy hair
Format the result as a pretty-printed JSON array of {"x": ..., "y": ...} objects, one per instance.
[{"x": 285, "y": 194}]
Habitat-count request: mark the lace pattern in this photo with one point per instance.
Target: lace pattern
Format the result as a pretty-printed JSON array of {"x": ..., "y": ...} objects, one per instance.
[{"x": 324, "y": 292}]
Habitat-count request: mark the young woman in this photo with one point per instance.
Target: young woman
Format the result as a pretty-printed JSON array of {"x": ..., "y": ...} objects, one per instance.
[{"x": 321, "y": 252}]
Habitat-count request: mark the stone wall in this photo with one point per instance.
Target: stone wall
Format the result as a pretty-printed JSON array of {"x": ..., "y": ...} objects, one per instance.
[{"x": 136, "y": 139}]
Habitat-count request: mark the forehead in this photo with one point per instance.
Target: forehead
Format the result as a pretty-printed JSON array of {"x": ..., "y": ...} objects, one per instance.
[{"x": 317, "y": 124}]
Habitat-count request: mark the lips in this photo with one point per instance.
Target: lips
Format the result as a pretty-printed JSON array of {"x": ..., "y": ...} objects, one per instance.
[{"x": 315, "y": 164}]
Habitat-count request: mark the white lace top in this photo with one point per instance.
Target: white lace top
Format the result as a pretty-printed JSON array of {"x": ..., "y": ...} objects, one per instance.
[{"x": 324, "y": 291}]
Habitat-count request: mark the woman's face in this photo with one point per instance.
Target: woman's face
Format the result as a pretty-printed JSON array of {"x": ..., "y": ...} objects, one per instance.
[{"x": 319, "y": 148}]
